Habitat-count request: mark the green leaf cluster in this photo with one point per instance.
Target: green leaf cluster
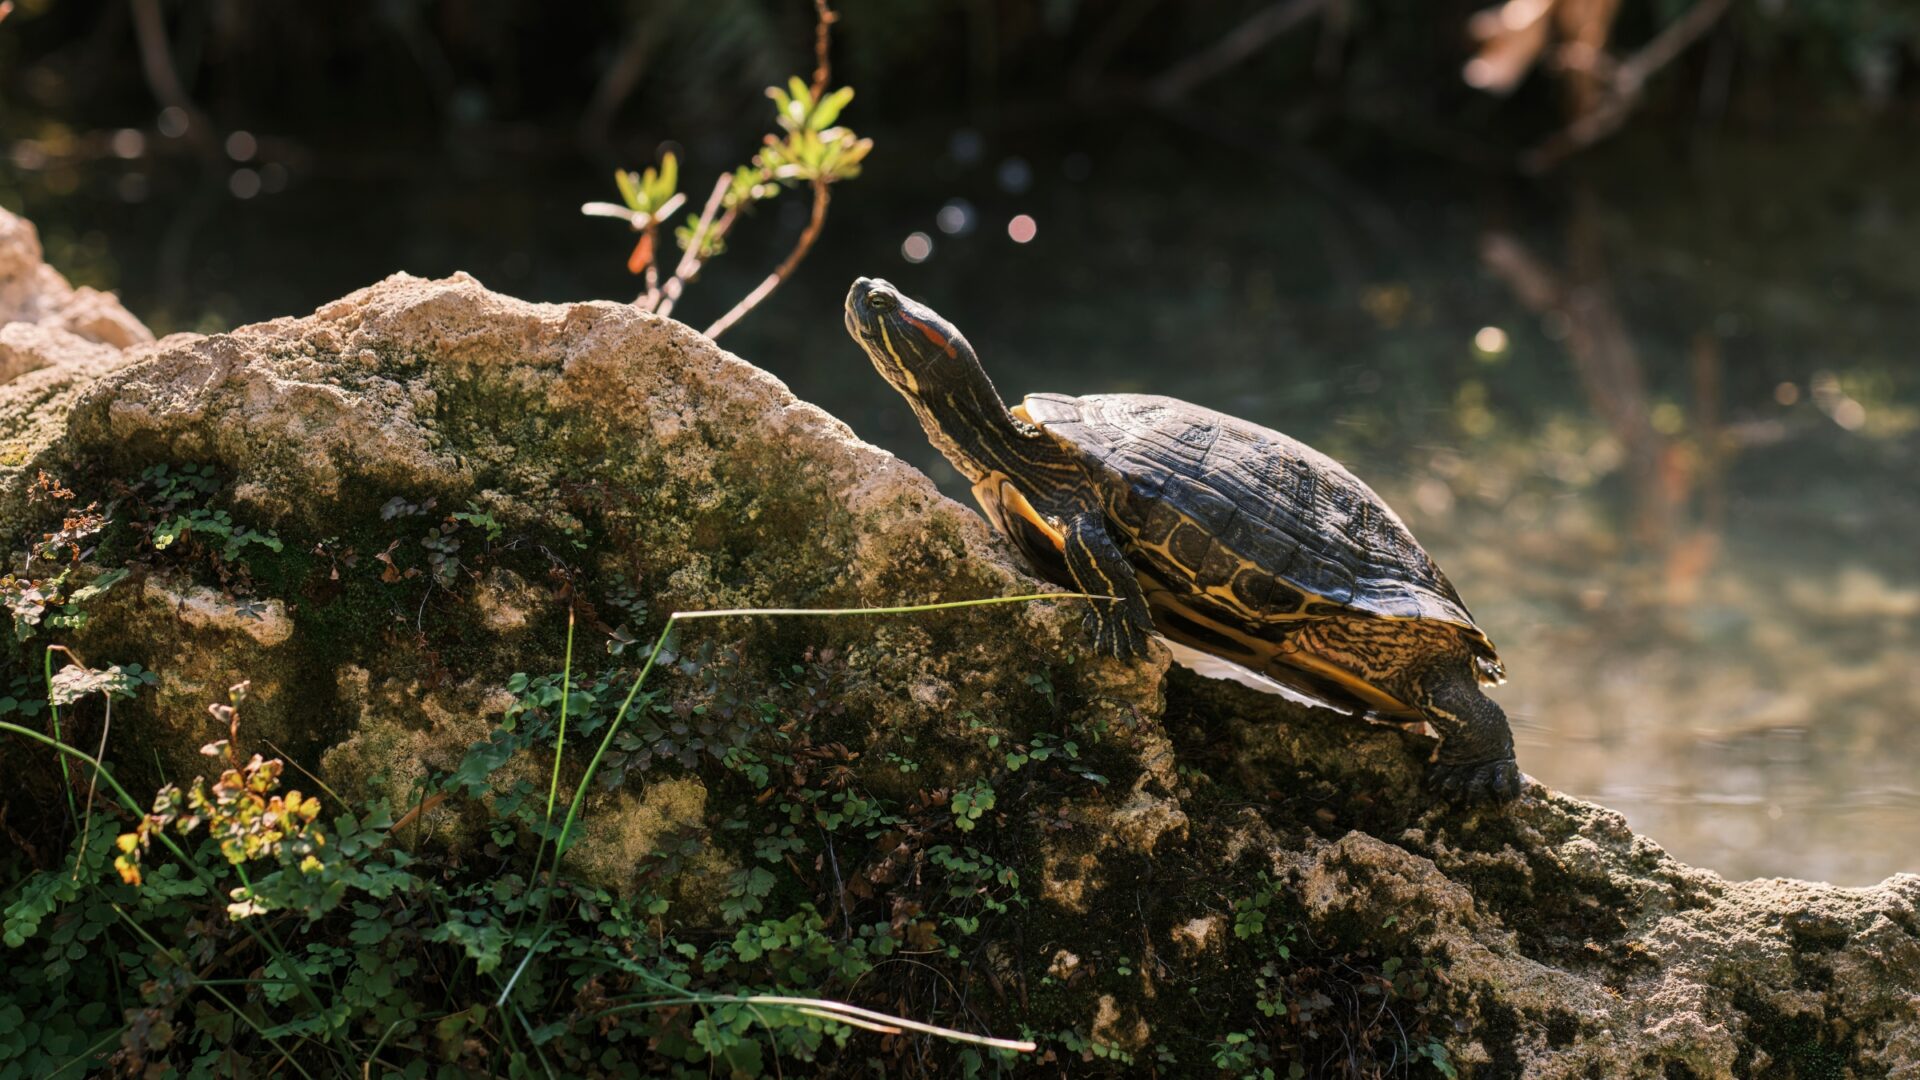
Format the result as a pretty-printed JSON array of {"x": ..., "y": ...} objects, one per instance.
[{"x": 649, "y": 193}]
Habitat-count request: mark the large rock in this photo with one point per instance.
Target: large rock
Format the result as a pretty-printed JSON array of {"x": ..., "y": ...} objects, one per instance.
[
  {"x": 54, "y": 340},
  {"x": 33, "y": 292},
  {"x": 1210, "y": 877}
]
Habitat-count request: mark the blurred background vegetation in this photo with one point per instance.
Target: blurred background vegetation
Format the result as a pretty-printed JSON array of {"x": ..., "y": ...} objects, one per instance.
[{"x": 1613, "y": 299}]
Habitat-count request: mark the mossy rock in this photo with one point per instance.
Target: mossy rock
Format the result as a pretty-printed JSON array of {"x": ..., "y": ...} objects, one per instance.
[{"x": 1142, "y": 867}]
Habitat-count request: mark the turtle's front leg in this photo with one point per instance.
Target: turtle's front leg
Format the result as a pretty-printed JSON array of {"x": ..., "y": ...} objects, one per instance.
[
  {"x": 1476, "y": 744},
  {"x": 1119, "y": 627}
]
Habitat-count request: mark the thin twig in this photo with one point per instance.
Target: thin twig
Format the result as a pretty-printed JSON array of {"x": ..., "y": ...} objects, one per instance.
[
  {"x": 786, "y": 267},
  {"x": 93, "y": 785},
  {"x": 1233, "y": 47},
  {"x": 839, "y": 884},
  {"x": 414, "y": 814},
  {"x": 822, "y": 37},
  {"x": 156, "y": 61},
  {"x": 652, "y": 233},
  {"x": 53, "y": 708},
  {"x": 1624, "y": 89},
  {"x": 1089, "y": 69},
  {"x": 690, "y": 260},
  {"x": 629, "y": 66}
]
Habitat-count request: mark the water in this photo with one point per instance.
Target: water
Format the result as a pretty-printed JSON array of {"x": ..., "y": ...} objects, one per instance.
[{"x": 1660, "y": 423}]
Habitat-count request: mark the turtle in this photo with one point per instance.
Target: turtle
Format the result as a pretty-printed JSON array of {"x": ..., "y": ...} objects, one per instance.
[{"x": 1223, "y": 535}]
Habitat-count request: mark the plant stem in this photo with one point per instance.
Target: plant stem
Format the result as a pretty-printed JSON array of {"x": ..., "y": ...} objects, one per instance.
[
  {"x": 553, "y": 784},
  {"x": 93, "y": 785},
  {"x": 690, "y": 260},
  {"x": 66, "y": 777},
  {"x": 824, "y": 18},
  {"x": 786, "y": 267},
  {"x": 651, "y": 299}
]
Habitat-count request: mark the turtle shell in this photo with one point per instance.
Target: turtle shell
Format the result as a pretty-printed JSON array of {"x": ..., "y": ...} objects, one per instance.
[{"x": 1269, "y": 529}]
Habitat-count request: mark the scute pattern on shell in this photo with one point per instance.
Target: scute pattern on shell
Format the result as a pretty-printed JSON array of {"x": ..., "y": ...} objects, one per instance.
[{"x": 1224, "y": 492}]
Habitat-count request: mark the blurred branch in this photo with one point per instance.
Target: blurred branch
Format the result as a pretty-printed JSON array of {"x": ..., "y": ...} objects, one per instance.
[
  {"x": 156, "y": 61},
  {"x": 824, "y": 18},
  {"x": 1622, "y": 86},
  {"x": 1581, "y": 301},
  {"x": 1667, "y": 46},
  {"x": 623, "y": 75},
  {"x": 1089, "y": 69},
  {"x": 1233, "y": 48},
  {"x": 786, "y": 267},
  {"x": 6, "y": 9}
]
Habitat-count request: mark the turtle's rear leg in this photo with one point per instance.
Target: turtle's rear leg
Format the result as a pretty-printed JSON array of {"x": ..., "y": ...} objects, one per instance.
[{"x": 1476, "y": 745}]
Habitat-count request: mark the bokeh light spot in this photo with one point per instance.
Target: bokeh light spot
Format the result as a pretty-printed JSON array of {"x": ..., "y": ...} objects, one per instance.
[
  {"x": 956, "y": 217},
  {"x": 244, "y": 183},
  {"x": 966, "y": 146},
  {"x": 1015, "y": 176},
  {"x": 241, "y": 146},
  {"x": 1022, "y": 228},
  {"x": 1490, "y": 342},
  {"x": 916, "y": 247}
]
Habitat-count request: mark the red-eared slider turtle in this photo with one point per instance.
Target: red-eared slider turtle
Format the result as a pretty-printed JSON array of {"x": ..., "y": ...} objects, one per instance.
[{"x": 1228, "y": 537}]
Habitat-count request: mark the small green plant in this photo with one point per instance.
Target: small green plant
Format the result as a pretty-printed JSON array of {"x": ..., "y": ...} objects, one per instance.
[
  {"x": 971, "y": 803},
  {"x": 1241, "y": 1055},
  {"x": 1091, "y": 1049},
  {"x": 175, "y": 496},
  {"x": 52, "y": 589},
  {"x": 1317, "y": 999},
  {"x": 1250, "y": 916},
  {"x": 811, "y": 150},
  {"x": 212, "y": 525},
  {"x": 1434, "y": 1053},
  {"x": 74, "y": 682}
]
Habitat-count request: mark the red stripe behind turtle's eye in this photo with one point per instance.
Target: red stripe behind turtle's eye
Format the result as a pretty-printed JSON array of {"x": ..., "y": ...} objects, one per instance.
[{"x": 927, "y": 331}]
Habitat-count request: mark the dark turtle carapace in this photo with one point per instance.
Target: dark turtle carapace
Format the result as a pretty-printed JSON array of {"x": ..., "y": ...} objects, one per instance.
[{"x": 1225, "y": 536}]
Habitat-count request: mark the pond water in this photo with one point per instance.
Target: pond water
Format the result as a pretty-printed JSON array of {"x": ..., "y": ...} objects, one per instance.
[{"x": 1660, "y": 423}]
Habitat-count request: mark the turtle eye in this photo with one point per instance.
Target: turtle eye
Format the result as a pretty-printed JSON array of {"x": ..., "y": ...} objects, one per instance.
[{"x": 879, "y": 300}]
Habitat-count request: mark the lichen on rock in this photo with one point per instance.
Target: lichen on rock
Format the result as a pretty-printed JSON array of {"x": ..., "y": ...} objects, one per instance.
[{"x": 1134, "y": 862}]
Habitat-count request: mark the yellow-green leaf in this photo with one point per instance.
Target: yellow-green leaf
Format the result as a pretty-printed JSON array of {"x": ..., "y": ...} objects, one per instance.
[{"x": 629, "y": 190}]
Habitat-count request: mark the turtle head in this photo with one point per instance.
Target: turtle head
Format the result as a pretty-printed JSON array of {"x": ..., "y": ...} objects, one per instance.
[{"x": 923, "y": 355}]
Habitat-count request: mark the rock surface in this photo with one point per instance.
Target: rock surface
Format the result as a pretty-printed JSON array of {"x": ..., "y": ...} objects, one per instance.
[
  {"x": 1209, "y": 871},
  {"x": 54, "y": 339}
]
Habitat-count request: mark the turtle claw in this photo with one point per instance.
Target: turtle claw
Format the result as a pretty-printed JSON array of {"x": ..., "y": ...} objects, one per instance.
[
  {"x": 1115, "y": 636},
  {"x": 1477, "y": 783}
]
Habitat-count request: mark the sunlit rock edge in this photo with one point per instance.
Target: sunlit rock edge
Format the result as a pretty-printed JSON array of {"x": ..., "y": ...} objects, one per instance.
[{"x": 1567, "y": 945}]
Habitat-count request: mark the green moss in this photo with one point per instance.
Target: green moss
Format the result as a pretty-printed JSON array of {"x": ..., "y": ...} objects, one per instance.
[{"x": 1800, "y": 1047}]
